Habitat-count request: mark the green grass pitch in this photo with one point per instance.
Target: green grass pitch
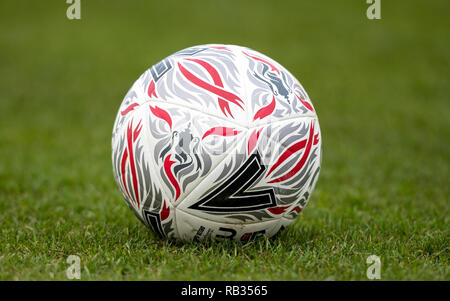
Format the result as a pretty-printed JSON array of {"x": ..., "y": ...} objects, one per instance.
[{"x": 380, "y": 87}]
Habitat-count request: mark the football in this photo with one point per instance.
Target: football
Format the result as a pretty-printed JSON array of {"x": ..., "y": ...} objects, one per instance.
[{"x": 216, "y": 142}]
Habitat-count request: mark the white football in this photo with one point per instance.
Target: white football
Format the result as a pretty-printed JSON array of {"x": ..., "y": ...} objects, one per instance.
[{"x": 216, "y": 142}]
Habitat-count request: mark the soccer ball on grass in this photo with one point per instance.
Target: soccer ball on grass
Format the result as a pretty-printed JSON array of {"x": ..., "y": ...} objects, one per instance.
[{"x": 216, "y": 141}]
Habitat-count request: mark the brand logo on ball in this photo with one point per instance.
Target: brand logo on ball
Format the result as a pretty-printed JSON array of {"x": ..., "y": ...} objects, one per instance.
[{"x": 233, "y": 194}]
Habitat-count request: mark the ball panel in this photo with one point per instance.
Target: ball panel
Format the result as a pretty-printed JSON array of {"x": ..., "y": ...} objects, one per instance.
[
  {"x": 232, "y": 192},
  {"x": 272, "y": 91},
  {"x": 293, "y": 157},
  {"x": 186, "y": 145},
  {"x": 135, "y": 174},
  {"x": 205, "y": 78},
  {"x": 269, "y": 174}
]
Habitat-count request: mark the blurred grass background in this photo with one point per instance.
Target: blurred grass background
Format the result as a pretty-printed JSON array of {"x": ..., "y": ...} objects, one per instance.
[{"x": 380, "y": 88}]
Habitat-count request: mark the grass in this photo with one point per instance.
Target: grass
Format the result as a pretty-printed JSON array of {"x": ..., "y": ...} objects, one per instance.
[{"x": 380, "y": 88}]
